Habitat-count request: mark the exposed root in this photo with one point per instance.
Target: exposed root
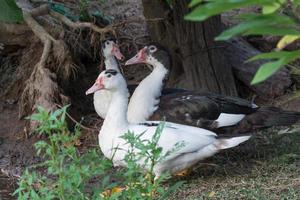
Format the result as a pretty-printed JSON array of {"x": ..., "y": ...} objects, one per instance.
[
  {"x": 78, "y": 25},
  {"x": 56, "y": 62},
  {"x": 64, "y": 65},
  {"x": 41, "y": 88}
]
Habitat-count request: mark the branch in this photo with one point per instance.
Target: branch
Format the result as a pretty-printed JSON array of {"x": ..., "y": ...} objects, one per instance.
[
  {"x": 37, "y": 29},
  {"x": 79, "y": 25},
  {"x": 133, "y": 20}
]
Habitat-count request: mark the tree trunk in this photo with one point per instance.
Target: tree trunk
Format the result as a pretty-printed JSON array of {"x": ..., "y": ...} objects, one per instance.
[
  {"x": 238, "y": 52},
  {"x": 192, "y": 46}
]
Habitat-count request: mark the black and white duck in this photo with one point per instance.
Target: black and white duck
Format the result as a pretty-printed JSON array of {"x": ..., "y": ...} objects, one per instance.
[
  {"x": 201, "y": 109},
  {"x": 198, "y": 143}
]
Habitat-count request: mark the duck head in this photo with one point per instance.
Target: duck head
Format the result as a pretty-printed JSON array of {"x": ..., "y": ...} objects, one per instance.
[
  {"x": 107, "y": 80},
  {"x": 151, "y": 54},
  {"x": 110, "y": 47}
]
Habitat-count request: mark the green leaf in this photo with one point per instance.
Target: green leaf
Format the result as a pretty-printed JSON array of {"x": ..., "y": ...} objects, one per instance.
[
  {"x": 272, "y": 30},
  {"x": 206, "y": 10},
  {"x": 271, "y": 8},
  {"x": 275, "y": 55},
  {"x": 195, "y": 2},
  {"x": 254, "y": 24},
  {"x": 286, "y": 40},
  {"x": 10, "y": 12},
  {"x": 267, "y": 70}
]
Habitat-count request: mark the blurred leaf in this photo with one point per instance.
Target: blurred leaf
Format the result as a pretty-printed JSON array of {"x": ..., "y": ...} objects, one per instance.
[
  {"x": 275, "y": 55},
  {"x": 212, "y": 8},
  {"x": 267, "y": 9},
  {"x": 195, "y": 2},
  {"x": 267, "y": 70},
  {"x": 10, "y": 12},
  {"x": 272, "y": 30},
  {"x": 255, "y": 24},
  {"x": 286, "y": 40}
]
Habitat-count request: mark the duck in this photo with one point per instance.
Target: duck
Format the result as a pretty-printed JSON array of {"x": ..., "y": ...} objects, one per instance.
[
  {"x": 112, "y": 54},
  {"x": 198, "y": 143},
  {"x": 202, "y": 109}
]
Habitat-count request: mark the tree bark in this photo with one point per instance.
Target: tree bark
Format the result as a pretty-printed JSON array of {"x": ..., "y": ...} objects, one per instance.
[
  {"x": 238, "y": 52},
  {"x": 192, "y": 47}
]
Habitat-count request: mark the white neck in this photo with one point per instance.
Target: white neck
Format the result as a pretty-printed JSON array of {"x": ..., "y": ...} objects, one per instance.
[
  {"x": 111, "y": 62},
  {"x": 116, "y": 117},
  {"x": 154, "y": 81},
  {"x": 144, "y": 100}
]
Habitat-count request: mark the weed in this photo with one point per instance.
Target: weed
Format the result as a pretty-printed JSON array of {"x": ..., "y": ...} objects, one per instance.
[{"x": 66, "y": 173}]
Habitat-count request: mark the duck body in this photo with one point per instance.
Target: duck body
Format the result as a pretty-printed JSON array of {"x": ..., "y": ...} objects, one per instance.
[
  {"x": 140, "y": 108},
  {"x": 207, "y": 110},
  {"x": 203, "y": 109},
  {"x": 197, "y": 143},
  {"x": 102, "y": 98},
  {"x": 144, "y": 102}
]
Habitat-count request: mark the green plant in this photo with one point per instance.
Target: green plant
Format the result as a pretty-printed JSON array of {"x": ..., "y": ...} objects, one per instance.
[
  {"x": 83, "y": 10},
  {"x": 278, "y": 18},
  {"x": 66, "y": 173},
  {"x": 10, "y": 12},
  {"x": 149, "y": 186}
]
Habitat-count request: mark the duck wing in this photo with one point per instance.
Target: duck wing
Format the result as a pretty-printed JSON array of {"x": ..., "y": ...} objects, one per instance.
[
  {"x": 200, "y": 109},
  {"x": 189, "y": 138}
]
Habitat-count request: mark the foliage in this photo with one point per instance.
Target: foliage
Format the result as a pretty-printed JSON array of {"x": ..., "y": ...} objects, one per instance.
[
  {"x": 67, "y": 174},
  {"x": 278, "y": 18},
  {"x": 10, "y": 12}
]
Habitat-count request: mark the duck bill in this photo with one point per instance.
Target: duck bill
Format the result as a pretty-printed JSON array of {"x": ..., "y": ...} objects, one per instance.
[
  {"x": 94, "y": 88},
  {"x": 117, "y": 53},
  {"x": 140, "y": 57}
]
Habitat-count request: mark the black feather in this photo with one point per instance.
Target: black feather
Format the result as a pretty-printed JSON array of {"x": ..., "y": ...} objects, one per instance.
[{"x": 111, "y": 71}]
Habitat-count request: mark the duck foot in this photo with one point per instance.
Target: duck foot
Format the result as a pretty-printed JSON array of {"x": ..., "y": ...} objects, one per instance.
[
  {"x": 183, "y": 173},
  {"x": 110, "y": 192}
]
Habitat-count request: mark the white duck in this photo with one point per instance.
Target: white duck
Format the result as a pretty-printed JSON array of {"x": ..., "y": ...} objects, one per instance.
[
  {"x": 102, "y": 98},
  {"x": 198, "y": 143},
  {"x": 207, "y": 110}
]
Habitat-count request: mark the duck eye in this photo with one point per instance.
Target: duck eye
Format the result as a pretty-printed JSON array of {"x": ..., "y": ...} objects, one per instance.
[
  {"x": 107, "y": 43},
  {"x": 152, "y": 48},
  {"x": 109, "y": 75}
]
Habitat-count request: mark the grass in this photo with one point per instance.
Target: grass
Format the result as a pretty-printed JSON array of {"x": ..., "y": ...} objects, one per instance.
[{"x": 267, "y": 167}]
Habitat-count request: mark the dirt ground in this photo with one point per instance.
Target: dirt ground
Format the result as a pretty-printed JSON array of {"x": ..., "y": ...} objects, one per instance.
[{"x": 266, "y": 168}]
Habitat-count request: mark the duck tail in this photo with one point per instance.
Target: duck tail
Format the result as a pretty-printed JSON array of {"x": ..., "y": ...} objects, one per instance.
[
  {"x": 266, "y": 117},
  {"x": 278, "y": 117},
  {"x": 230, "y": 142}
]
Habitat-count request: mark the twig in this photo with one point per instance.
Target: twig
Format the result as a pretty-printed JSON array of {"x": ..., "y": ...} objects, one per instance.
[
  {"x": 46, "y": 52},
  {"x": 136, "y": 20},
  {"x": 75, "y": 121},
  {"x": 79, "y": 25}
]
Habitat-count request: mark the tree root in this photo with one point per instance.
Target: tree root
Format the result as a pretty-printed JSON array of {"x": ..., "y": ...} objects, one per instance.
[{"x": 56, "y": 62}]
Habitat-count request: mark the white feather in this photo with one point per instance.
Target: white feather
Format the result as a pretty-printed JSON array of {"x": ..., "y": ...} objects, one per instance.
[
  {"x": 229, "y": 119},
  {"x": 198, "y": 143},
  {"x": 143, "y": 102}
]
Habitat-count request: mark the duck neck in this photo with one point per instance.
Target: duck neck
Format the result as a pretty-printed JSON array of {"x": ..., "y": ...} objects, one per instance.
[
  {"x": 111, "y": 62},
  {"x": 158, "y": 75},
  {"x": 116, "y": 117}
]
